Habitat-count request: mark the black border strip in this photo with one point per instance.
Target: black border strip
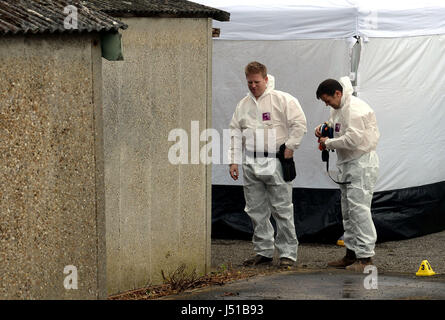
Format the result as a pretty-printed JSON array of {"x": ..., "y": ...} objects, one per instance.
[{"x": 397, "y": 214}]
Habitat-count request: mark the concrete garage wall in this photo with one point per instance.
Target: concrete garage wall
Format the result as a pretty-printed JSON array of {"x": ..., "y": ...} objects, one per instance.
[
  {"x": 157, "y": 213},
  {"x": 51, "y": 167}
]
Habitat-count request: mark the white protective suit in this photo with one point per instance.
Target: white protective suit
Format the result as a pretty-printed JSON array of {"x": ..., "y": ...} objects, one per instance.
[
  {"x": 355, "y": 140},
  {"x": 279, "y": 116}
]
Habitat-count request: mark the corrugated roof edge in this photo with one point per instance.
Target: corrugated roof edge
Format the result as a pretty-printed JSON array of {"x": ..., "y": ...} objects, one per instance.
[
  {"x": 158, "y": 8},
  {"x": 48, "y": 16}
]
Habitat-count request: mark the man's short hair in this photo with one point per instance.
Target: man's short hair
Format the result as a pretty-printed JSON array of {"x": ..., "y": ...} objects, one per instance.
[
  {"x": 329, "y": 87},
  {"x": 256, "y": 67}
]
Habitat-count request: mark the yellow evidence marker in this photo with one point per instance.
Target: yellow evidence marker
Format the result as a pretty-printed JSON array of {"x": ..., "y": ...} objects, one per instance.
[{"x": 425, "y": 269}]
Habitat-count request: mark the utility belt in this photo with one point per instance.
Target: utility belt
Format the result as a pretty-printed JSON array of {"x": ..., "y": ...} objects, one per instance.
[
  {"x": 288, "y": 165},
  {"x": 265, "y": 154}
]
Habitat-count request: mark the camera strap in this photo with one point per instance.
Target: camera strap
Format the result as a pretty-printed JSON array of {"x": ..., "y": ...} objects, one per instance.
[{"x": 325, "y": 158}]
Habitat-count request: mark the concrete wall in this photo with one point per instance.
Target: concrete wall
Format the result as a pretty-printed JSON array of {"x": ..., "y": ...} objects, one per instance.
[
  {"x": 157, "y": 214},
  {"x": 51, "y": 167}
]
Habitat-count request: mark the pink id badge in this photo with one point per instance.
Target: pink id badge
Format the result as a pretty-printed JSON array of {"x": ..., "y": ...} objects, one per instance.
[
  {"x": 266, "y": 116},
  {"x": 337, "y": 127}
]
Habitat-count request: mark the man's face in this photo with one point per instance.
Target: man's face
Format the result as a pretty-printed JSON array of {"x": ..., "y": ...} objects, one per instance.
[
  {"x": 334, "y": 101},
  {"x": 256, "y": 83}
]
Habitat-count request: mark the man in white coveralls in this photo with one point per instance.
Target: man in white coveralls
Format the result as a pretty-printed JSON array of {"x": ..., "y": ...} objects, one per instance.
[
  {"x": 275, "y": 118},
  {"x": 355, "y": 139}
]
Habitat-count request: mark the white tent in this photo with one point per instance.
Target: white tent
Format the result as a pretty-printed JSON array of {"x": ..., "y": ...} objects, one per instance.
[{"x": 393, "y": 52}]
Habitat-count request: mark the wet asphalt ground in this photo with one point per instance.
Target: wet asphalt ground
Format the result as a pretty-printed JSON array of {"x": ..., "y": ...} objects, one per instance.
[
  {"x": 324, "y": 285},
  {"x": 393, "y": 278}
]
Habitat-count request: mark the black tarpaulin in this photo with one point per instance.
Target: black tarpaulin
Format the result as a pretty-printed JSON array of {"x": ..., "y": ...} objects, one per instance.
[{"x": 397, "y": 214}]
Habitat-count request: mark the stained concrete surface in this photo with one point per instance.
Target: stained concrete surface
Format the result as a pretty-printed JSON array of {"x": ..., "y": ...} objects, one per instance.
[
  {"x": 396, "y": 261},
  {"x": 326, "y": 285},
  {"x": 157, "y": 212}
]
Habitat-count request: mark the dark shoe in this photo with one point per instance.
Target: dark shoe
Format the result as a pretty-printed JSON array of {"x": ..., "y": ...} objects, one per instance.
[
  {"x": 286, "y": 262},
  {"x": 258, "y": 259},
  {"x": 347, "y": 260},
  {"x": 359, "y": 265}
]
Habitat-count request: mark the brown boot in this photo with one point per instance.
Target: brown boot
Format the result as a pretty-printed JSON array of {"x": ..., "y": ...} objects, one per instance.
[
  {"x": 256, "y": 260},
  {"x": 347, "y": 260},
  {"x": 359, "y": 265}
]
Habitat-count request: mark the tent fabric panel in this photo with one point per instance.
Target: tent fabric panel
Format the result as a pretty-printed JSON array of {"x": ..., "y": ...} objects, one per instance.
[
  {"x": 402, "y": 80},
  {"x": 383, "y": 19},
  {"x": 317, "y": 19},
  {"x": 298, "y": 66},
  {"x": 290, "y": 23}
]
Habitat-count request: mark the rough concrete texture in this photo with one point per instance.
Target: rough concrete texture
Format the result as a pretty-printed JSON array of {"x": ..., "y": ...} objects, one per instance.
[
  {"x": 50, "y": 216},
  {"x": 158, "y": 214}
]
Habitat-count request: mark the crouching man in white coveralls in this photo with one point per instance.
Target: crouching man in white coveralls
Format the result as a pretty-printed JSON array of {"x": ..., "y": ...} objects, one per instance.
[
  {"x": 355, "y": 139},
  {"x": 271, "y": 118}
]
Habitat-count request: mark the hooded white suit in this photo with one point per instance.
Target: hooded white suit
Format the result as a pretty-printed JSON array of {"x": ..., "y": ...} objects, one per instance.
[
  {"x": 277, "y": 115},
  {"x": 355, "y": 139}
]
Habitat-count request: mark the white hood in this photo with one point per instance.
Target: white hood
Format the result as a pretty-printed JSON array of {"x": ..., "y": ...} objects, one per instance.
[
  {"x": 270, "y": 82},
  {"x": 347, "y": 89},
  {"x": 347, "y": 86},
  {"x": 269, "y": 87}
]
